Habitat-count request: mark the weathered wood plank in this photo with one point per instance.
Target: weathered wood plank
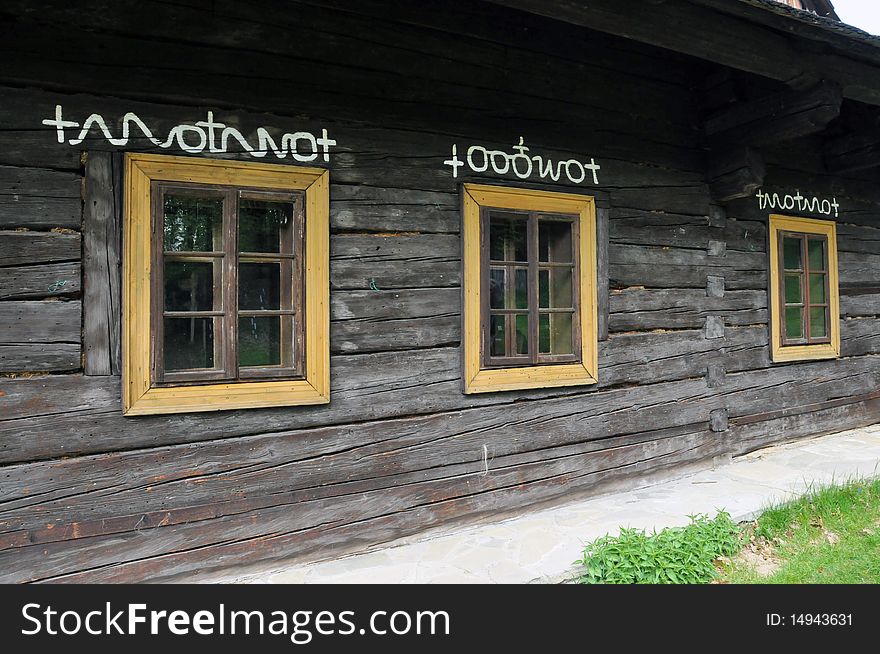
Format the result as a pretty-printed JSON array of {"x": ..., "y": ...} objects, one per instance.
[
  {"x": 18, "y": 248},
  {"x": 393, "y": 261},
  {"x": 102, "y": 242},
  {"x": 50, "y": 280},
  {"x": 644, "y": 309},
  {"x": 863, "y": 304},
  {"x": 367, "y": 208},
  {"x": 39, "y": 336},
  {"x": 40, "y": 322},
  {"x": 372, "y": 321},
  {"x": 39, "y": 357},
  {"x": 684, "y": 268},
  {"x": 36, "y": 197}
]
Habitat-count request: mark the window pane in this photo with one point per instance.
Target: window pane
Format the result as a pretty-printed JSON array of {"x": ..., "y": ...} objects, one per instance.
[
  {"x": 496, "y": 288},
  {"x": 793, "y": 289},
  {"x": 555, "y": 290},
  {"x": 263, "y": 224},
  {"x": 560, "y": 333},
  {"x": 189, "y": 343},
  {"x": 794, "y": 322},
  {"x": 791, "y": 248},
  {"x": 507, "y": 237},
  {"x": 544, "y": 288},
  {"x": 189, "y": 285},
  {"x": 522, "y": 288},
  {"x": 259, "y": 286},
  {"x": 522, "y": 333},
  {"x": 817, "y": 289},
  {"x": 544, "y": 333},
  {"x": 818, "y": 325},
  {"x": 554, "y": 241},
  {"x": 193, "y": 224},
  {"x": 497, "y": 336},
  {"x": 816, "y": 253},
  {"x": 259, "y": 341}
]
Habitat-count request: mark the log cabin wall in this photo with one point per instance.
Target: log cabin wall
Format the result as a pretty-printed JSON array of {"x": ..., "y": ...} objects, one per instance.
[{"x": 685, "y": 374}]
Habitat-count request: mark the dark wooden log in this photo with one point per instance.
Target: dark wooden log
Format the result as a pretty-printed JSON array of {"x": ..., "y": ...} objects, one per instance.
[
  {"x": 40, "y": 281},
  {"x": 18, "y": 248},
  {"x": 735, "y": 173},
  {"x": 36, "y": 197},
  {"x": 39, "y": 336},
  {"x": 852, "y": 152},
  {"x": 783, "y": 116},
  {"x": 102, "y": 242}
]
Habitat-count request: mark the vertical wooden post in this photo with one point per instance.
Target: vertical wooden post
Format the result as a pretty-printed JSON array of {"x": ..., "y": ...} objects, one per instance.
[
  {"x": 102, "y": 235},
  {"x": 602, "y": 285}
]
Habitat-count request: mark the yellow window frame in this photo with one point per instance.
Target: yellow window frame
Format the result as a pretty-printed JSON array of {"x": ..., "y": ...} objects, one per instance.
[
  {"x": 477, "y": 380},
  {"x": 783, "y": 353},
  {"x": 139, "y": 397}
]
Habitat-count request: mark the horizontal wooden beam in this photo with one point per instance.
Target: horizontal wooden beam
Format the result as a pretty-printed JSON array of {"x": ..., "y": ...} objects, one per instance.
[
  {"x": 735, "y": 173},
  {"x": 852, "y": 152},
  {"x": 780, "y": 117}
]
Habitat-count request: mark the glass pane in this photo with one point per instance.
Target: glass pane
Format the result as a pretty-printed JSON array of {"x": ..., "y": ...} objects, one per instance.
[
  {"x": 522, "y": 333},
  {"x": 794, "y": 322},
  {"x": 818, "y": 325},
  {"x": 507, "y": 237},
  {"x": 193, "y": 224},
  {"x": 189, "y": 343},
  {"x": 555, "y": 288},
  {"x": 560, "y": 333},
  {"x": 259, "y": 286},
  {"x": 816, "y": 253},
  {"x": 554, "y": 241},
  {"x": 259, "y": 341},
  {"x": 544, "y": 333},
  {"x": 793, "y": 289},
  {"x": 497, "y": 336},
  {"x": 263, "y": 224},
  {"x": 817, "y": 289},
  {"x": 522, "y": 288},
  {"x": 791, "y": 249},
  {"x": 189, "y": 285},
  {"x": 496, "y": 288},
  {"x": 544, "y": 288}
]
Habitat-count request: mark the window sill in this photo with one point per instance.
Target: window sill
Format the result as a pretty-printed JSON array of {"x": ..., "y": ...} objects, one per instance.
[
  {"x": 805, "y": 352},
  {"x": 514, "y": 379},
  {"x": 225, "y": 397}
]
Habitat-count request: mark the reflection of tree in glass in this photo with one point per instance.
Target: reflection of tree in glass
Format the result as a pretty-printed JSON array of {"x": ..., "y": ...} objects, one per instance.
[{"x": 192, "y": 224}]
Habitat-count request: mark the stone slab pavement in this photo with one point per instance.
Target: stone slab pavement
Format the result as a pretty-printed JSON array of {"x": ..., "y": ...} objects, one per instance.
[{"x": 542, "y": 545}]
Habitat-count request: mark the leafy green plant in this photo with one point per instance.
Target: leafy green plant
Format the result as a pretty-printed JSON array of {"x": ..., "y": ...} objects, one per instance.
[{"x": 675, "y": 555}]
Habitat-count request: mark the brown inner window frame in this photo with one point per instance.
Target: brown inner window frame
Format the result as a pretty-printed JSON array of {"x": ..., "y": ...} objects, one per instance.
[
  {"x": 225, "y": 311},
  {"x": 804, "y": 273},
  {"x": 534, "y": 358}
]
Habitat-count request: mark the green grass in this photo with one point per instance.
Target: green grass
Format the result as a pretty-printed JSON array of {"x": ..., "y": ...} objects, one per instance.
[
  {"x": 675, "y": 555},
  {"x": 829, "y": 536}
]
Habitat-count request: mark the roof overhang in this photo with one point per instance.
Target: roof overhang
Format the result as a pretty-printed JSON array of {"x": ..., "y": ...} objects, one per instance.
[{"x": 763, "y": 37}]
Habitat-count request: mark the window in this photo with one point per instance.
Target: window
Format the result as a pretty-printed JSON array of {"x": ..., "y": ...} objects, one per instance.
[
  {"x": 805, "y": 320},
  {"x": 529, "y": 289},
  {"x": 226, "y": 285}
]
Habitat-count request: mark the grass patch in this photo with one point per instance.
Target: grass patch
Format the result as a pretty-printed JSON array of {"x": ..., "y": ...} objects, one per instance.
[
  {"x": 675, "y": 555},
  {"x": 829, "y": 536}
]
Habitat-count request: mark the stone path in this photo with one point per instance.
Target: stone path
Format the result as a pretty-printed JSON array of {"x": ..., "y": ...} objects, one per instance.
[{"x": 541, "y": 546}]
